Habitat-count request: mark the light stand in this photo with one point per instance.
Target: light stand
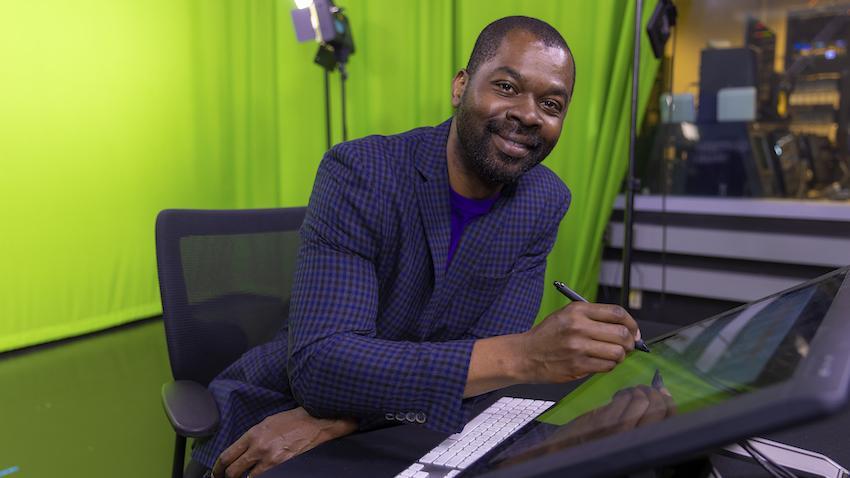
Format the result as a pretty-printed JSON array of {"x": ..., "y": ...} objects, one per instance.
[
  {"x": 658, "y": 29},
  {"x": 324, "y": 22},
  {"x": 327, "y": 109},
  {"x": 631, "y": 181}
]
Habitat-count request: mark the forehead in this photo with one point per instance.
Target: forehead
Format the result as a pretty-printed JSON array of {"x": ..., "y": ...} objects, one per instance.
[{"x": 527, "y": 54}]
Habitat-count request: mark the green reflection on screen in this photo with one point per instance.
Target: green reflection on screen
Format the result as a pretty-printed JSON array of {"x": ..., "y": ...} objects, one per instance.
[
  {"x": 708, "y": 362},
  {"x": 689, "y": 391}
]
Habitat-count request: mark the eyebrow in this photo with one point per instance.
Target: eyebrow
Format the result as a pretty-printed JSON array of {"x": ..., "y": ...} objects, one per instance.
[
  {"x": 556, "y": 91},
  {"x": 510, "y": 72}
]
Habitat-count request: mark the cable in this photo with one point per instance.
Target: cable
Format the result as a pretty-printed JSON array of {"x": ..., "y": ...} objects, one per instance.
[
  {"x": 760, "y": 460},
  {"x": 775, "y": 469},
  {"x": 784, "y": 470}
]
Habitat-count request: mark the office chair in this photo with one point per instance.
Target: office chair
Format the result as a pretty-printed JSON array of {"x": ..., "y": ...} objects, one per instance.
[{"x": 225, "y": 279}]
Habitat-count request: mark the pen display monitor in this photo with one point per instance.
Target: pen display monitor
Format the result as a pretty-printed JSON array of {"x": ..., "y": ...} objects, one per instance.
[{"x": 749, "y": 350}]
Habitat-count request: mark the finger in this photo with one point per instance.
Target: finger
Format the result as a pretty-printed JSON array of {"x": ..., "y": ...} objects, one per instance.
[
  {"x": 620, "y": 401},
  {"x": 238, "y": 468},
  {"x": 259, "y": 469},
  {"x": 610, "y": 415},
  {"x": 669, "y": 403},
  {"x": 657, "y": 409},
  {"x": 595, "y": 365},
  {"x": 265, "y": 465},
  {"x": 229, "y": 455},
  {"x": 607, "y": 351},
  {"x": 611, "y": 333},
  {"x": 637, "y": 406},
  {"x": 612, "y": 314}
]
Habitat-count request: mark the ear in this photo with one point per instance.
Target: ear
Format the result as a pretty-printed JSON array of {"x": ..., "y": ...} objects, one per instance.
[{"x": 459, "y": 83}]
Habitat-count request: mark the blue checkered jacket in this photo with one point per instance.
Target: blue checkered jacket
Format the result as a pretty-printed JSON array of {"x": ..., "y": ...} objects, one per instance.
[{"x": 379, "y": 329}]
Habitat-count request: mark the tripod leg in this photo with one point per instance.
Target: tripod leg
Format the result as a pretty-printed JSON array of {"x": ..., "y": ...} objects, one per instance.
[{"x": 327, "y": 109}]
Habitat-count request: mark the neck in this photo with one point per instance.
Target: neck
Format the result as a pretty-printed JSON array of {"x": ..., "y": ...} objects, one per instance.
[{"x": 462, "y": 180}]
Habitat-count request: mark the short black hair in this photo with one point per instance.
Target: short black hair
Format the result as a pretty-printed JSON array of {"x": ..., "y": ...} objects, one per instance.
[{"x": 491, "y": 37}]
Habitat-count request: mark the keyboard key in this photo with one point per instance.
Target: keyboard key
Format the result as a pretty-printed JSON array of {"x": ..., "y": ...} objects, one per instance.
[
  {"x": 455, "y": 461},
  {"x": 445, "y": 457},
  {"x": 430, "y": 457}
]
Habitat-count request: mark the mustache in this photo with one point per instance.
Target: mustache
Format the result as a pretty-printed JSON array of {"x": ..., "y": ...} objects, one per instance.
[{"x": 507, "y": 128}]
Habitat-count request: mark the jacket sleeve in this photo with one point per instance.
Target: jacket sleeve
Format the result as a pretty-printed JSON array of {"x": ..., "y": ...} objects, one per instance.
[{"x": 336, "y": 365}]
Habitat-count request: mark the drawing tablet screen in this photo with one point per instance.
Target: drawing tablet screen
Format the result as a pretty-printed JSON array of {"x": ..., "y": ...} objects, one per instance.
[{"x": 734, "y": 353}]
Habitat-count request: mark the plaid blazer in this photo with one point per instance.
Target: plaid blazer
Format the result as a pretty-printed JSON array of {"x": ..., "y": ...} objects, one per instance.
[{"x": 379, "y": 329}]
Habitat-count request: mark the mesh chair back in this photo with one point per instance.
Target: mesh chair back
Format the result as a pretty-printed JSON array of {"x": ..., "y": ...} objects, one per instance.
[{"x": 225, "y": 279}]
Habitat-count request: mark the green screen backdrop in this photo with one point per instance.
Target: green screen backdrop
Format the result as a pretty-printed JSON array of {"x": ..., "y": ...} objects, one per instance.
[{"x": 111, "y": 111}]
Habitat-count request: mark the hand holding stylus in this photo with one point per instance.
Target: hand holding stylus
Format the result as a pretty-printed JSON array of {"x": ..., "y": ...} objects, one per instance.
[
  {"x": 577, "y": 340},
  {"x": 575, "y": 297}
]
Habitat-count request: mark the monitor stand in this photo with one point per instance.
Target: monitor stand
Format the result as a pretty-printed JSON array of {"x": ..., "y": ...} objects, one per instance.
[{"x": 809, "y": 463}]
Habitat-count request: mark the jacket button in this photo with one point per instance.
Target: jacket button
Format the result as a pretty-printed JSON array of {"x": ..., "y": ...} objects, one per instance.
[
  {"x": 420, "y": 417},
  {"x": 399, "y": 416},
  {"x": 390, "y": 416},
  {"x": 410, "y": 416}
]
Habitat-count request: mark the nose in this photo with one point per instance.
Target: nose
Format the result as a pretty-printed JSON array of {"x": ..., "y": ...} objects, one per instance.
[{"x": 525, "y": 112}]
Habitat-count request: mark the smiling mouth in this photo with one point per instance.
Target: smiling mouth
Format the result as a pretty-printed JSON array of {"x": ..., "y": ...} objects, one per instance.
[{"x": 514, "y": 149}]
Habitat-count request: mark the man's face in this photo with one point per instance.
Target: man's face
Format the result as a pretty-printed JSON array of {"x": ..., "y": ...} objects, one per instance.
[{"x": 510, "y": 112}]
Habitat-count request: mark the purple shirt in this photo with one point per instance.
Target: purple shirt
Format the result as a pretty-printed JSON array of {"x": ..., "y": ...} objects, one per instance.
[{"x": 464, "y": 211}]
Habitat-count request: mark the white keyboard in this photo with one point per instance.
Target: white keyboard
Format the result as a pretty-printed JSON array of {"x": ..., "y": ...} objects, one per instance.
[{"x": 480, "y": 435}]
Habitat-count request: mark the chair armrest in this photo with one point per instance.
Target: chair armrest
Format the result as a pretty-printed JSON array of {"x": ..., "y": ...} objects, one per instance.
[{"x": 190, "y": 408}]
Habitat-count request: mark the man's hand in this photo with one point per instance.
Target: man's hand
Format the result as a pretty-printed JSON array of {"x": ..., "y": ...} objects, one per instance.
[
  {"x": 580, "y": 339},
  {"x": 277, "y": 439},
  {"x": 575, "y": 341}
]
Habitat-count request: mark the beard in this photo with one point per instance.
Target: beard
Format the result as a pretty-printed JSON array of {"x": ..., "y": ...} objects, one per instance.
[{"x": 480, "y": 156}]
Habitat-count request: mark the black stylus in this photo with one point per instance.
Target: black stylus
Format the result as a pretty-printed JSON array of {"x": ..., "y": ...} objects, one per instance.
[{"x": 574, "y": 296}]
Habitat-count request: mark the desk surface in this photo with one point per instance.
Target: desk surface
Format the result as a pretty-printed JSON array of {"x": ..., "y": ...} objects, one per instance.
[{"x": 386, "y": 452}]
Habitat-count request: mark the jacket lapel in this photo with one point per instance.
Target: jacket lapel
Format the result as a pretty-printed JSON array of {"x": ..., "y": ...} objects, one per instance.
[
  {"x": 435, "y": 208},
  {"x": 432, "y": 195}
]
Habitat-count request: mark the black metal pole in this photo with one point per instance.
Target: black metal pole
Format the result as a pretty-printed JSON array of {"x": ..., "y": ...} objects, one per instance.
[
  {"x": 179, "y": 457},
  {"x": 628, "y": 217},
  {"x": 343, "y": 75},
  {"x": 327, "y": 109}
]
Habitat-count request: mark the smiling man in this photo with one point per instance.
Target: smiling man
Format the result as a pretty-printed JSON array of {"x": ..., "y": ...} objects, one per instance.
[{"x": 421, "y": 272}]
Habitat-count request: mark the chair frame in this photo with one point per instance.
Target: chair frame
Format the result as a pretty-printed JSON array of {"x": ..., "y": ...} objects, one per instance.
[{"x": 188, "y": 404}]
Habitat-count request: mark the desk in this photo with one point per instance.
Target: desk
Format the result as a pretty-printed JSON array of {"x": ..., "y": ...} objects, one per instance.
[{"x": 385, "y": 452}]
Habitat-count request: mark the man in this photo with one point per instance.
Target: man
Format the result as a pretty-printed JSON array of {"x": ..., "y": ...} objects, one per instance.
[{"x": 421, "y": 271}]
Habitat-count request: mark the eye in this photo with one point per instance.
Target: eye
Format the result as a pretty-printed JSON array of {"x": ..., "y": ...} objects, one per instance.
[
  {"x": 505, "y": 87},
  {"x": 551, "y": 105}
]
